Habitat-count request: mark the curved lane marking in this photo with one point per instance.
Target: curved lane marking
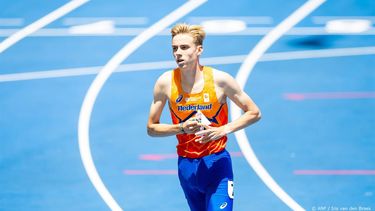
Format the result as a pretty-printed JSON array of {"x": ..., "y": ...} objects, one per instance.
[
  {"x": 242, "y": 77},
  {"x": 97, "y": 84},
  {"x": 35, "y": 26}
]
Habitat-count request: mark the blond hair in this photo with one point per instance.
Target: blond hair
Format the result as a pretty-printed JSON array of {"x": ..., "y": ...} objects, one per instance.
[{"x": 195, "y": 31}]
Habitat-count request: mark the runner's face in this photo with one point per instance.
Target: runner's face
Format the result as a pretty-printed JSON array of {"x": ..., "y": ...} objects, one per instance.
[{"x": 185, "y": 52}]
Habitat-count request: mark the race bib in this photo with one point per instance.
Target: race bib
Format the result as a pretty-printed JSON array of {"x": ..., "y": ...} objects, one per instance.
[{"x": 230, "y": 189}]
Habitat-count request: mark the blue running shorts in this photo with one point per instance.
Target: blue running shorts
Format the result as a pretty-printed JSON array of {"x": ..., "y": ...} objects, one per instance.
[{"x": 207, "y": 182}]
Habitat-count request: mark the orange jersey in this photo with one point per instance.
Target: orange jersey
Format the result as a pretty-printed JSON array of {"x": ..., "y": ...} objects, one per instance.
[{"x": 183, "y": 106}]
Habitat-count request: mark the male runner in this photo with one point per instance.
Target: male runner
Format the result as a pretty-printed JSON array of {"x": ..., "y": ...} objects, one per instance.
[{"x": 197, "y": 99}]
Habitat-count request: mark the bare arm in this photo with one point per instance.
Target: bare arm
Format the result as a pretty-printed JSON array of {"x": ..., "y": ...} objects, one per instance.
[
  {"x": 251, "y": 111},
  {"x": 154, "y": 127},
  {"x": 233, "y": 91}
]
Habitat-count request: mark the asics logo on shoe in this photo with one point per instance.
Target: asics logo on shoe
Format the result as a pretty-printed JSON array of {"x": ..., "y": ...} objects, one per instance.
[{"x": 223, "y": 205}]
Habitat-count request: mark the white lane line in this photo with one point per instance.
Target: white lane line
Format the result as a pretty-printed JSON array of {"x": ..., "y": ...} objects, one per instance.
[
  {"x": 221, "y": 60},
  {"x": 242, "y": 77},
  {"x": 117, "y": 20},
  {"x": 314, "y": 54},
  {"x": 133, "y": 31},
  {"x": 247, "y": 19},
  {"x": 11, "y": 21},
  {"x": 33, "y": 27},
  {"x": 99, "y": 81},
  {"x": 325, "y": 19}
]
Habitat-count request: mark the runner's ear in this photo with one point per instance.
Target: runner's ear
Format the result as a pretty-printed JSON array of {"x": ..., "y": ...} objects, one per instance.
[{"x": 199, "y": 50}]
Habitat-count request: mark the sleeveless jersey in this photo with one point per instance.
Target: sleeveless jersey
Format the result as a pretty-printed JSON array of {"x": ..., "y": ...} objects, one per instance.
[{"x": 184, "y": 105}]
